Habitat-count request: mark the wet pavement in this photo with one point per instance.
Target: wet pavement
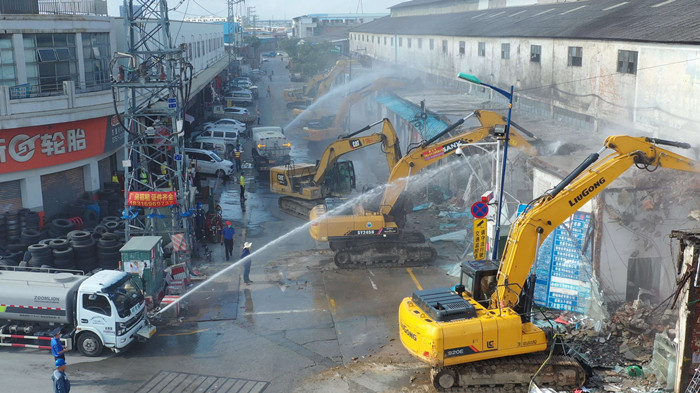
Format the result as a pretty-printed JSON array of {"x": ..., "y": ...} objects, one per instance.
[{"x": 301, "y": 326}]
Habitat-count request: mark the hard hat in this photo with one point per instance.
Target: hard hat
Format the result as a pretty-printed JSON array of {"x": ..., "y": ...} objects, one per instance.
[
  {"x": 247, "y": 244},
  {"x": 60, "y": 362},
  {"x": 228, "y": 222}
]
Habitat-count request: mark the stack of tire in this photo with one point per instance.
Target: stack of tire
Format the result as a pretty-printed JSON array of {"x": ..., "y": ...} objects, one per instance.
[
  {"x": 112, "y": 223},
  {"x": 115, "y": 200},
  {"x": 60, "y": 227},
  {"x": 28, "y": 220},
  {"x": 87, "y": 210},
  {"x": 84, "y": 250},
  {"x": 108, "y": 255},
  {"x": 63, "y": 255},
  {"x": 13, "y": 228},
  {"x": 41, "y": 255}
]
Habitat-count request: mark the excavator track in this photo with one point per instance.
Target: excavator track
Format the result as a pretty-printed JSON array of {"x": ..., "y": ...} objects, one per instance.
[
  {"x": 511, "y": 374},
  {"x": 297, "y": 207},
  {"x": 383, "y": 253}
]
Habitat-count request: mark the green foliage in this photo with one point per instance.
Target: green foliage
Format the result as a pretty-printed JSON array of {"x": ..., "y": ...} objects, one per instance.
[
  {"x": 310, "y": 58},
  {"x": 252, "y": 41}
]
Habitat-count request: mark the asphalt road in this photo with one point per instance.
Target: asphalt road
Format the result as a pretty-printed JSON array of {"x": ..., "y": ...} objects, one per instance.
[{"x": 302, "y": 326}]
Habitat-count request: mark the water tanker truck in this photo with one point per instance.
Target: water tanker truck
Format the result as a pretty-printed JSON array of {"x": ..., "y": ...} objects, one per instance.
[{"x": 104, "y": 310}]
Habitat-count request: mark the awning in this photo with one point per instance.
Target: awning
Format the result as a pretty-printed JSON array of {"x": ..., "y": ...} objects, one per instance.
[{"x": 428, "y": 124}]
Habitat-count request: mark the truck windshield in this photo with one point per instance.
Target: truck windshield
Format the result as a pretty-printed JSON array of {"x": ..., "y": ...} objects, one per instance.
[{"x": 126, "y": 296}]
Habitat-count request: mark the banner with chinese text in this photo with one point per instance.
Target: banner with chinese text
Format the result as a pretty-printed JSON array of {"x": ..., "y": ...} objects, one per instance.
[{"x": 152, "y": 199}]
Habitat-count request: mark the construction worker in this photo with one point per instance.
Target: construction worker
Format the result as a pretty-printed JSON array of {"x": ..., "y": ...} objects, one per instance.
[
  {"x": 143, "y": 178},
  {"x": 241, "y": 181},
  {"x": 269, "y": 92},
  {"x": 237, "y": 159}
]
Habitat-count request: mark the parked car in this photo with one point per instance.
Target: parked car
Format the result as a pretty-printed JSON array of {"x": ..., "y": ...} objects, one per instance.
[
  {"x": 226, "y": 124},
  {"x": 241, "y": 97},
  {"x": 209, "y": 163},
  {"x": 270, "y": 54}
]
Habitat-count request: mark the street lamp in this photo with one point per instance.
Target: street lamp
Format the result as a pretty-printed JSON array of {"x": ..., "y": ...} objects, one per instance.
[{"x": 509, "y": 96}]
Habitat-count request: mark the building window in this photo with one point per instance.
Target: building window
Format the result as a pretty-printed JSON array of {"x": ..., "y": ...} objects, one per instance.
[
  {"x": 408, "y": 42},
  {"x": 400, "y": 41},
  {"x": 462, "y": 48},
  {"x": 627, "y": 61},
  {"x": 7, "y": 61},
  {"x": 575, "y": 56},
  {"x": 444, "y": 47},
  {"x": 505, "y": 51},
  {"x": 420, "y": 43},
  {"x": 535, "y": 53},
  {"x": 384, "y": 40},
  {"x": 392, "y": 41},
  {"x": 50, "y": 60},
  {"x": 96, "y": 54},
  {"x": 482, "y": 49},
  {"x": 432, "y": 44}
]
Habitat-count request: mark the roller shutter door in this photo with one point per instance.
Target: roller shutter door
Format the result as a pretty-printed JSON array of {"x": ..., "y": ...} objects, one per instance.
[
  {"x": 10, "y": 196},
  {"x": 104, "y": 166},
  {"x": 61, "y": 189}
]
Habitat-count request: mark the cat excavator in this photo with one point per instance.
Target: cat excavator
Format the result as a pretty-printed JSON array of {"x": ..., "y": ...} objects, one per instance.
[
  {"x": 377, "y": 237},
  {"x": 304, "y": 186},
  {"x": 479, "y": 333}
]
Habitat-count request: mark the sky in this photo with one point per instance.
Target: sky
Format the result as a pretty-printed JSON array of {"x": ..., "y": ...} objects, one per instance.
[{"x": 269, "y": 9}]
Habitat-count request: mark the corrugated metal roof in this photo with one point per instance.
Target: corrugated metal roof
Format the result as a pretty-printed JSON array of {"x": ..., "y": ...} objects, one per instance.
[
  {"x": 428, "y": 127},
  {"x": 675, "y": 21}
]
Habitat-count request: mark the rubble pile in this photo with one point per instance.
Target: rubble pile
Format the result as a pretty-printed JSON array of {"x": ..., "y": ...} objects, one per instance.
[{"x": 619, "y": 351}]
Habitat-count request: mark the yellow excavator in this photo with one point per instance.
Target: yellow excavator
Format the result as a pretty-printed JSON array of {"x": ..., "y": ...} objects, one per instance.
[
  {"x": 306, "y": 185},
  {"x": 480, "y": 332},
  {"x": 321, "y": 129},
  {"x": 377, "y": 237},
  {"x": 316, "y": 86}
]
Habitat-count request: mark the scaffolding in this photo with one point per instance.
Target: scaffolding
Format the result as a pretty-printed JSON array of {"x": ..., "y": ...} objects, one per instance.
[{"x": 154, "y": 80}]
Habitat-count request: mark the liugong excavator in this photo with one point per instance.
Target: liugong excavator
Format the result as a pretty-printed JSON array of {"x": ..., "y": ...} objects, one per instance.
[
  {"x": 377, "y": 237},
  {"x": 485, "y": 318},
  {"x": 306, "y": 185}
]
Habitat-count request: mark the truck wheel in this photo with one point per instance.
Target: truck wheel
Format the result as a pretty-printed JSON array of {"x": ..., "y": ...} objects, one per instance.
[{"x": 89, "y": 344}]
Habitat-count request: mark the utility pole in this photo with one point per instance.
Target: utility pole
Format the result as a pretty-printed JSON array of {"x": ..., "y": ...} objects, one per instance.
[{"x": 156, "y": 86}]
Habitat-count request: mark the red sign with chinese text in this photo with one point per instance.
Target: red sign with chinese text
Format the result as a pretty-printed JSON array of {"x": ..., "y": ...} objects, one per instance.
[
  {"x": 152, "y": 199},
  {"x": 28, "y": 148}
]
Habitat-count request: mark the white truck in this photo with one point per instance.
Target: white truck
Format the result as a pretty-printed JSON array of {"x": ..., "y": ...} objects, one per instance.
[
  {"x": 270, "y": 148},
  {"x": 104, "y": 310}
]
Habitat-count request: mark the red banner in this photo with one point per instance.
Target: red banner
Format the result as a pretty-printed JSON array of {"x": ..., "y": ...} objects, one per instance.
[{"x": 152, "y": 199}]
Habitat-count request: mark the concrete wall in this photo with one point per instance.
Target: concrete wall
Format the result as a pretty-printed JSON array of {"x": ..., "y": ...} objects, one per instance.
[{"x": 660, "y": 97}]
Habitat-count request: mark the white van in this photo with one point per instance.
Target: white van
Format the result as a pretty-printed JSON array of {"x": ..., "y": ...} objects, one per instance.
[
  {"x": 227, "y": 135},
  {"x": 222, "y": 147}
]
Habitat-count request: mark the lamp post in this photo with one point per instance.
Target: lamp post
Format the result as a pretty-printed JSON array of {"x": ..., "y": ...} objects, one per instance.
[{"x": 509, "y": 96}]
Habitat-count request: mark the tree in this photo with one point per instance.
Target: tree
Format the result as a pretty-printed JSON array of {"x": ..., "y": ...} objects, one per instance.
[{"x": 252, "y": 41}]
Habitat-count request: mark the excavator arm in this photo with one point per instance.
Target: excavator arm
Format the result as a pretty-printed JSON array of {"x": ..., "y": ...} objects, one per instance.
[
  {"x": 428, "y": 154},
  {"x": 350, "y": 143},
  {"x": 325, "y": 84},
  {"x": 583, "y": 184}
]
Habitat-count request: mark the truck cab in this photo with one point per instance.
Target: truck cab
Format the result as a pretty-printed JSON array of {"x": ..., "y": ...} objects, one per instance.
[{"x": 110, "y": 313}]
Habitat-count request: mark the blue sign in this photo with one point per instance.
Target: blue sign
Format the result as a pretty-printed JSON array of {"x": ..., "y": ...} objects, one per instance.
[
  {"x": 480, "y": 210},
  {"x": 172, "y": 103},
  {"x": 563, "y": 266},
  {"x": 177, "y": 157}
]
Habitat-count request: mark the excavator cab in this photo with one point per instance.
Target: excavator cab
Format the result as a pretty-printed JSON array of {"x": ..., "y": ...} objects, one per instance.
[
  {"x": 478, "y": 279},
  {"x": 340, "y": 179}
]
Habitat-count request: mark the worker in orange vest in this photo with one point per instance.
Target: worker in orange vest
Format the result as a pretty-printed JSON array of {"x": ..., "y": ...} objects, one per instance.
[{"x": 237, "y": 158}]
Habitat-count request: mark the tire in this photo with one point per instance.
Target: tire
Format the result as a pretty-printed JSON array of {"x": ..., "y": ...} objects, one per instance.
[
  {"x": 99, "y": 229},
  {"x": 66, "y": 253},
  {"x": 39, "y": 250},
  {"x": 62, "y": 223},
  {"x": 79, "y": 237},
  {"x": 64, "y": 264},
  {"x": 114, "y": 248},
  {"x": 59, "y": 245},
  {"x": 89, "y": 344},
  {"x": 112, "y": 225}
]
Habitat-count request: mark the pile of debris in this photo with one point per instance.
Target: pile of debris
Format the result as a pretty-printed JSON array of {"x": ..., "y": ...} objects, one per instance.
[{"x": 621, "y": 352}]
